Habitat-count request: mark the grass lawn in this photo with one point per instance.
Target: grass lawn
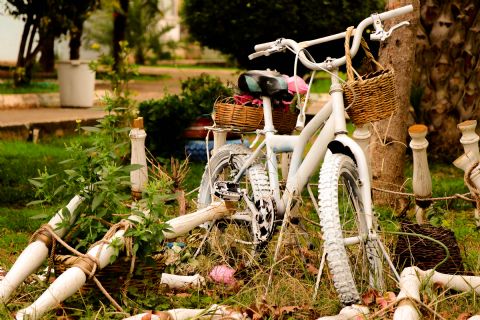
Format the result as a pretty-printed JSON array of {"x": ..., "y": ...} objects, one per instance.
[
  {"x": 34, "y": 87},
  {"x": 290, "y": 294}
]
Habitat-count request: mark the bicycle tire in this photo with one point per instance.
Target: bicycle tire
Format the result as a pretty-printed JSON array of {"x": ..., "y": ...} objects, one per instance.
[
  {"x": 232, "y": 157},
  {"x": 353, "y": 268}
]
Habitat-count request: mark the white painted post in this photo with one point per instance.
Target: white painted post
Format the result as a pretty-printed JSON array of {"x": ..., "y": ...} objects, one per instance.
[
  {"x": 36, "y": 252},
  {"x": 362, "y": 135},
  {"x": 139, "y": 177},
  {"x": 422, "y": 181},
  {"x": 469, "y": 138}
]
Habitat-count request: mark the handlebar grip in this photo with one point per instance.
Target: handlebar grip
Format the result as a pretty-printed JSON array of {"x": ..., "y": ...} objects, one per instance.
[
  {"x": 264, "y": 46},
  {"x": 396, "y": 12}
]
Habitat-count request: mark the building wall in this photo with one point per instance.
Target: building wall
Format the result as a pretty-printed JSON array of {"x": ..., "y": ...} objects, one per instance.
[{"x": 10, "y": 35}]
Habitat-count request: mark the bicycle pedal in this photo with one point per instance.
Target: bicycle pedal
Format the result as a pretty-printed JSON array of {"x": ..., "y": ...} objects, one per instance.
[{"x": 227, "y": 190}]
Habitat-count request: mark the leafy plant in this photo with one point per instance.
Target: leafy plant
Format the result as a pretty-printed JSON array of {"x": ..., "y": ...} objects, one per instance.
[
  {"x": 167, "y": 118},
  {"x": 101, "y": 174}
]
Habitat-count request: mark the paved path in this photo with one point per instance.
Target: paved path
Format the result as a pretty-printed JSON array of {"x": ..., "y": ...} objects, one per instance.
[{"x": 21, "y": 112}]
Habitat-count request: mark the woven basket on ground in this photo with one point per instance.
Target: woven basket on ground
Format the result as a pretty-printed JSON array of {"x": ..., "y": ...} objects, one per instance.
[
  {"x": 412, "y": 250},
  {"x": 114, "y": 276},
  {"x": 249, "y": 118},
  {"x": 370, "y": 97}
]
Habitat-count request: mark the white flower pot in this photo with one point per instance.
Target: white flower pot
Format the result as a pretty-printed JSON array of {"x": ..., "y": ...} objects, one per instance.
[{"x": 77, "y": 83}]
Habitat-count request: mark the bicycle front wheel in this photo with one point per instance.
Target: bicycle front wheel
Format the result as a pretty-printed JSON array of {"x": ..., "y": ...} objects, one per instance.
[{"x": 354, "y": 260}]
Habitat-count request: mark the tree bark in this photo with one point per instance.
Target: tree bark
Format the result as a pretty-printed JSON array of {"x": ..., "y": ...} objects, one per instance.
[
  {"x": 119, "y": 27},
  {"x": 388, "y": 144},
  {"x": 447, "y": 74},
  {"x": 76, "y": 41},
  {"x": 47, "y": 57}
]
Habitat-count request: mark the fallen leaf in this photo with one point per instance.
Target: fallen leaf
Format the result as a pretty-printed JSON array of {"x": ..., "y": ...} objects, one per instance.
[
  {"x": 286, "y": 310},
  {"x": 369, "y": 297},
  {"x": 312, "y": 269},
  {"x": 183, "y": 295},
  {"x": 464, "y": 316}
]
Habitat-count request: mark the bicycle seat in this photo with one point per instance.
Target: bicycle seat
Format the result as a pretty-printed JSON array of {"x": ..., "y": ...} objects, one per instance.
[{"x": 263, "y": 83}]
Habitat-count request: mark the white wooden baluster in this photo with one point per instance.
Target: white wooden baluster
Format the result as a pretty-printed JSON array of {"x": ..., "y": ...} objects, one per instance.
[
  {"x": 422, "y": 181},
  {"x": 469, "y": 138},
  {"x": 464, "y": 162},
  {"x": 139, "y": 177}
]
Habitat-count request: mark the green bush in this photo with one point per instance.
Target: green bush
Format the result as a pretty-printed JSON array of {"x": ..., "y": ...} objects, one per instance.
[{"x": 166, "y": 119}]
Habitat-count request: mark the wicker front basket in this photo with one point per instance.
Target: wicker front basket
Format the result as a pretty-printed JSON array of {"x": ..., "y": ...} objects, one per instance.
[
  {"x": 249, "y": 118},
  {"x": 371, "y": 97}
]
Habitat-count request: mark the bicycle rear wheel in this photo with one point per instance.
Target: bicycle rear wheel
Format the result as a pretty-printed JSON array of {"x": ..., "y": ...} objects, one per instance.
[
  {"x": 354, "y": 260},
  {"x": 237, "y": 238}
]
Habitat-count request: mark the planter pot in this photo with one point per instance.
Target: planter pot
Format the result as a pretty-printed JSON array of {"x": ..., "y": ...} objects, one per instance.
[{"x": 77, "y": 83}]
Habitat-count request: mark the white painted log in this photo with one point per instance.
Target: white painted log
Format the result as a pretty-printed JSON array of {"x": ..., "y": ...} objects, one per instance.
[
  {"x": 352, "y": 312},
  {"x": 185, "y": 223},
  {"x": 362, "y": 135},
  {"x": 219, "y": 139},
  {"x": 74, "y": 278},
  {"x": 35, "y": 253},
  {"x": 422, "y": 181},
  {"x": 469, "y": 138},
  {"x": 409, "y": 294},
  {"x": 69, "y": 282},
  {"x": 138, "y": 178},
  {"x": 411, "y": 279},
  {"x": 174, "y": 281},
  {"x": 464, "y": 162},
  {"x": 215, "y": 312}
]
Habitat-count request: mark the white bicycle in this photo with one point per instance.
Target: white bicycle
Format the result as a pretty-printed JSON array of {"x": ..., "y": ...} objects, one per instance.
[{"x": 355, "y": 253}]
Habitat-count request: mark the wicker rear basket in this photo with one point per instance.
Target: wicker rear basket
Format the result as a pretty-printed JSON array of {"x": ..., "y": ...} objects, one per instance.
[
  {"x": 371, "y": 97},
  {"x": 412, "y": 250},
  {"x": 249, "y": 118}
]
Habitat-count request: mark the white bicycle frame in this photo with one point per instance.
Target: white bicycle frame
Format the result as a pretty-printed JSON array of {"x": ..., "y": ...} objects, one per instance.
[{"x": 330, "y": 119}]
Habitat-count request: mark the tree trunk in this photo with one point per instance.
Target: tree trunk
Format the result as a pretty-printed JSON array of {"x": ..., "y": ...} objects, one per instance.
[
  {"x": 388, "y": 143},
  {"x": 76, "y": 41},
  {"x": 26, "y": 54},
  {"x": 119, "y": 27},
  {"x": 47, "y": 57},
  {"x": 447, "y": 74}
]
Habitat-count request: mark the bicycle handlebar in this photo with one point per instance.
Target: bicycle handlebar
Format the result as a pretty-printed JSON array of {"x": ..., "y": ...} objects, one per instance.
[{"x": 267, "y": 48}]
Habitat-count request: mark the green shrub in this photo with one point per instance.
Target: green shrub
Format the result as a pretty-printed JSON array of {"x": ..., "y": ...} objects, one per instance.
[{"x": 166, "y": 119}]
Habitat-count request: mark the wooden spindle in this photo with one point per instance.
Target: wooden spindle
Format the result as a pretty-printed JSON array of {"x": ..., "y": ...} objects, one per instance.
[
  {"x": 422, "y": 181},
  {"x": 139, "y": 177},
  {"x": 469, "y": 138}
]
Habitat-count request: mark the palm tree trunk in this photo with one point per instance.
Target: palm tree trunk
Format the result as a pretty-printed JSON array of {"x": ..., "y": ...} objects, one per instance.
[
  {"x": 447, "y": 74},
  {"x": 388, "y": 144}
]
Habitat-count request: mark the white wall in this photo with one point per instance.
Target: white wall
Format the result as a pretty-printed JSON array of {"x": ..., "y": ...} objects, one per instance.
[{"x": 10, "y": 35}]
